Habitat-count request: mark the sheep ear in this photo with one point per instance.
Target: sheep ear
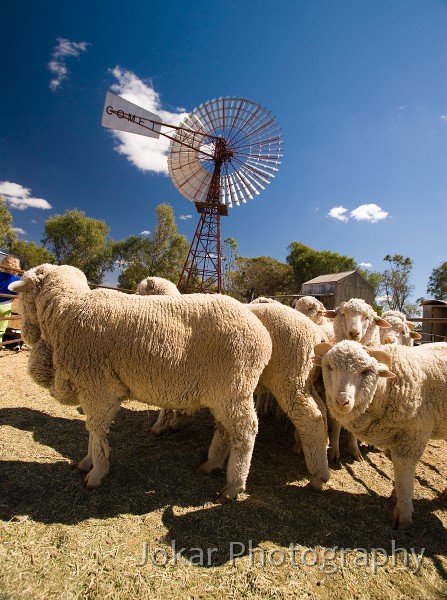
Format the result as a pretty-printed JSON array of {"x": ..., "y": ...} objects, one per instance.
[
  {"x": 23, "y": 285},
  {"x": 322, "y": 348},
  {"x": 317, "y": 360},
  {"x": 330, "y": 314},
  {"x": 380, "y": 355},
  {"x": 381, "y": 322},
  {"x": 384, "y": 372},
  {"x": 410, "y": 324},
  {"x": 415, "y": 335}
]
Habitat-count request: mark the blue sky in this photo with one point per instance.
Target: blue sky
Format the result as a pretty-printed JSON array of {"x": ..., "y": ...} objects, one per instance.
[{"x": 358, "y": 87}]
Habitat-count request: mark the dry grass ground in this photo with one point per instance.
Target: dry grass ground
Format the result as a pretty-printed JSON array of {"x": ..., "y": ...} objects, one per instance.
[{"x": 59, "y": 540}]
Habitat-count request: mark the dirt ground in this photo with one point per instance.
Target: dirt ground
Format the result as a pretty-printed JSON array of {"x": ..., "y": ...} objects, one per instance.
[{"x": 153, "y": 531}]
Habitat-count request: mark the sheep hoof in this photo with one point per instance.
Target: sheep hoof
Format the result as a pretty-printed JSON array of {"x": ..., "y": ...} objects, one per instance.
[
  {"x": 315, "y": 483},
  {"x": 223, "y": 499},
  {"x": 357, "y": 456},
  {"x": 92, "y": 482},
  {"x": 401, "y": 525},
  {"x": 80, "y": 469},
  {"x": 207, "y": 469},
  {"x": 333, "y": 455}
]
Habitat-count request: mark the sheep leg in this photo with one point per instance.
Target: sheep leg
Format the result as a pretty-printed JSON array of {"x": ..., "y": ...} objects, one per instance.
[
  {"x": 405, "y": 458},
  {"x": 99, "y": 419},
  {"x": 297, "y": 448},
  {"x": 308, "y": 419},
  {"x": 334, "y": 442},
  {"x": 242, "y": 428},
  {"x": 86, "y": 463},
  {"x": 162, "y": 423},
  {"x": 353, "y": 447},
  {"x": 218, "y": 451}
]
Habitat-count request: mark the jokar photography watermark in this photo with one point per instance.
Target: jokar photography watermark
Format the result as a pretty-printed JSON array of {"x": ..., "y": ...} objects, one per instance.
[{"x": 328, "y": 560}]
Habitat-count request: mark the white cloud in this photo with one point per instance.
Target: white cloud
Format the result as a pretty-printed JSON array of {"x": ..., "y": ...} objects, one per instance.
[
  {"x": 338, "y": 212},
  {"x": 145, "y": 232},
  {"x": 365, "y": 265},
  {"x": 59, "y": 55},
  {"x": 147, "y": 154},
  {"x": 17, "y": 196},
  {"x": 443, "y": 117},
  {"x": 18, "y": 230},
  {"x": 369, "y": 212},
  {"x": 184, "y": 217}
]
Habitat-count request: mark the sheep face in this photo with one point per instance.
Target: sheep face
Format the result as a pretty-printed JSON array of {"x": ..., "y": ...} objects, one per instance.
[
  {"x": 351, "y": 375},
  {"x": 398, "y": 334},
  {"x": 355, "y": 320},
  {"x": 311, "y": 307}
]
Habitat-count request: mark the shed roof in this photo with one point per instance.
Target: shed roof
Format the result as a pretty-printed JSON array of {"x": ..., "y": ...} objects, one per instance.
[
  {"x": 434, "y": 302},
  {"x": 330, "y": 277}
]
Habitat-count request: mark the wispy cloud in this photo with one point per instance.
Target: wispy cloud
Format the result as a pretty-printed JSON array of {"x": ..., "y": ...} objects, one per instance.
[
  {"x": 145, "y": 232},
  {"x": 147, "y": 154},
  {"x": 339, "y": 213},
  {"x": 443, "y": 117},
  {"x": 365, "y": 265},
  {"x": 365, "y": 212},
  {"x": 63, "y": 49},
  {"x": 184, "y": 217},
  {"x": 18, "y": 230},
  {"x": 17, "y": 196}
]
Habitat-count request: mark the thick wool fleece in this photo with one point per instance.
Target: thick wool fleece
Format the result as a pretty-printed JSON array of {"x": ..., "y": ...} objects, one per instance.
[
  {"x": 290, "y": 377},
  {"x": 401, "y": 413},
  {"x": 181, "y": 352}
]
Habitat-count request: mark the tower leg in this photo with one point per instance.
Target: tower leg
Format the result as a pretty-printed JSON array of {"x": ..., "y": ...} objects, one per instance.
[{"x": 202, "y": 271}]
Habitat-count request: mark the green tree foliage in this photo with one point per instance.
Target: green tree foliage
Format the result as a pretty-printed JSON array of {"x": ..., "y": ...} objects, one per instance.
[
  {"x": 161, "y": 254},
  {"x": 396, "y": 283},
  {"x": 7, "y": 235},
  {"x": 437, "y": 283},
  {"x": 80, "y": 241},
  {"x": 30, "y": 254},
  {"x": 260, "y": 276},
  {"x": 373, "y": 277},
  {"x": 308, "y": 263},
  {"x": 230, "y": 253}
]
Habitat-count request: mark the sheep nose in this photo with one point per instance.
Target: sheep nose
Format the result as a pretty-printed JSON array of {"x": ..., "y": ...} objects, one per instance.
[
  {"x": 342, "y": 400},
  {"x": 355, "y": 335}
]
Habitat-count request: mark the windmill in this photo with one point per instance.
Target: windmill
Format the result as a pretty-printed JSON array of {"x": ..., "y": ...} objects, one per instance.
[{"x": 224, "y": 152}]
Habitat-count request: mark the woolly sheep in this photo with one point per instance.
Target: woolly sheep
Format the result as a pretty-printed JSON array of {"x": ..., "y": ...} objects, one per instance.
[
  {"x": 315, "y": 310},
  {"x": 289, "y": 376},
  {"x": 157, "y": 285},
  {"x": 399, "y": 409},
  {"x": 398, "y": 333},
  {"x": 108, "y": 346},
  {"x": 355, "y": 320},
  {"x": 401, "y": 331}
]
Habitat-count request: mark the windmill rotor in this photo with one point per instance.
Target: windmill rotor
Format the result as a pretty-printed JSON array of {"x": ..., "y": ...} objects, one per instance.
[{"x": 234, "y": 136}]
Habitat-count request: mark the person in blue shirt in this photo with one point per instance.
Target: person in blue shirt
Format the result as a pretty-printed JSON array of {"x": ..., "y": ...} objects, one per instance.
[{"x": 7, "y": 276}]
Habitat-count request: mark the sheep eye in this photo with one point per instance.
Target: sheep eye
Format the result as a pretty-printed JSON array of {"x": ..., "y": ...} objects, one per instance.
[{"x": 366, "y": 372}]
